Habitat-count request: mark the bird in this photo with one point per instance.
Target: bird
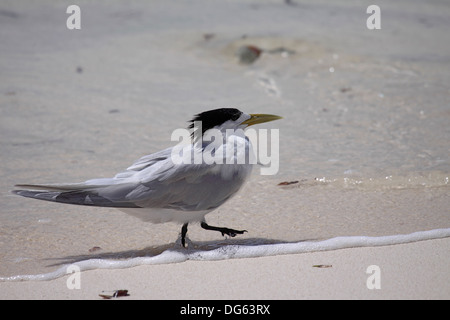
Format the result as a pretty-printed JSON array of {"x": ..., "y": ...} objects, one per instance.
[{"x": 158, "y": 188}]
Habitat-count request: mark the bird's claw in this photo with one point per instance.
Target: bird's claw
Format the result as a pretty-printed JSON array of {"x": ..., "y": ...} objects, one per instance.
[{"x": 231, "y": 232}]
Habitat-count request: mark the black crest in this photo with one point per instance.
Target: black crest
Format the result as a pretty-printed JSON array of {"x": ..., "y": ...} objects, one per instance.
[{"x": 212, "y": 118}]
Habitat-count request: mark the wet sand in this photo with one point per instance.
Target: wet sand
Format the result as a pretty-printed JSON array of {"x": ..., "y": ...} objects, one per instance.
[{"x": 408, "y": 271}]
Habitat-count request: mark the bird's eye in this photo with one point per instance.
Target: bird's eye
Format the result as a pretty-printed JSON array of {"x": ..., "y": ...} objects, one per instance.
[{"x": 235, "y": 116}]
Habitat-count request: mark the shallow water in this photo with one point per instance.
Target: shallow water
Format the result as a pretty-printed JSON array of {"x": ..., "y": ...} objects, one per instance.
[{"x": 365, "y": 130}]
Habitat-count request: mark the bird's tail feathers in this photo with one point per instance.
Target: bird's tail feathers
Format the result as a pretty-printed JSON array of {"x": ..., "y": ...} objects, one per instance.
[
  {"x": 57, "y": 187},
  {"x": 76, "y": 193}
]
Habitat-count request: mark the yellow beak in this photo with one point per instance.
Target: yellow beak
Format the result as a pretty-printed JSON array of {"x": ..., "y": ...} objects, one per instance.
[{"x": 256, "y": 118}]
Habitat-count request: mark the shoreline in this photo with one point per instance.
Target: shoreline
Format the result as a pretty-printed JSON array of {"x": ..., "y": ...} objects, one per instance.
[
  {"x": 417, "y": 270},
  {"x": 229, "y": 251}
]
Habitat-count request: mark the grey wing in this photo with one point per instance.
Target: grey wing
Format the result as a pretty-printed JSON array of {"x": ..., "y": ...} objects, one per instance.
[
  {"x": 104, "y": 192},
  {"x": 192, "y": 187},
  {"x": 154, "y": 181},
  {"x": 78, "y": 193}
]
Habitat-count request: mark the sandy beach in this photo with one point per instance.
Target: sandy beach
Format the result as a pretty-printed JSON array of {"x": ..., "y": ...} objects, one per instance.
[
  {"x": 363, "y": 151},
  {"x": 411, "y": 271}
]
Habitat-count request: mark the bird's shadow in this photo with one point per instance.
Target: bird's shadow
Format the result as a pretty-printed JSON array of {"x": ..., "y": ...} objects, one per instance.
[{"x": 153, "y": 251}]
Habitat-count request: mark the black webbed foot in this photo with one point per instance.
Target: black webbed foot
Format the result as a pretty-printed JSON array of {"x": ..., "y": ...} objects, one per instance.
[{"x": 225, "y": 231}]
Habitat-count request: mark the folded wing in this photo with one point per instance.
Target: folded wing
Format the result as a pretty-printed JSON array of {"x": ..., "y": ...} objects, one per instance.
[{"x": 153, "y": 181}]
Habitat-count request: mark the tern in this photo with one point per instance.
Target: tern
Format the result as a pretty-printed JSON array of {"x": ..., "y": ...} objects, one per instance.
[{"x": 158, "y": 189}]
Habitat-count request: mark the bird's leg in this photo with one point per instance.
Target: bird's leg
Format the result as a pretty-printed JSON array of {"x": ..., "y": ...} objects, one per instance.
[
  {"x": 224, "y": 231},
  {"x": 183, "y": 234}
]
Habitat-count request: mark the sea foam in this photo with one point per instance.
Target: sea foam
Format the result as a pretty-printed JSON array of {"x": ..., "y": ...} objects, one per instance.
[{"x": 239, "y": 251}]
